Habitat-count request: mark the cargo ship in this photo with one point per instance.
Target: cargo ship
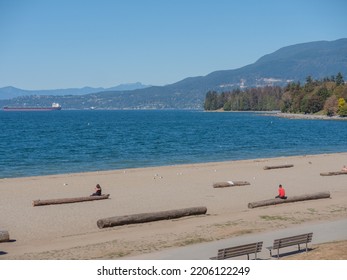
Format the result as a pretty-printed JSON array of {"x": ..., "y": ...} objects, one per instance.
[{"x": 54, "y": 107}]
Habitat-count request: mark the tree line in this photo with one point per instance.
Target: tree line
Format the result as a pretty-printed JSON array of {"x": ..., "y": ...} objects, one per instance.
[
  {"x": 326, "y": 96},
  {"x": 252, "y": 99}
]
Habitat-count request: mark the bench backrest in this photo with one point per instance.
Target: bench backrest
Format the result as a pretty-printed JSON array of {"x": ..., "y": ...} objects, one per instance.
[
  {"x": 239, "y": 250},
  {"x": 292, "y": 240}
]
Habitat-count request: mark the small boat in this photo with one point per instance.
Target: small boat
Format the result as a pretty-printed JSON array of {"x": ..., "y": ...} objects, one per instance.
[{"x": 54, "y": 107}]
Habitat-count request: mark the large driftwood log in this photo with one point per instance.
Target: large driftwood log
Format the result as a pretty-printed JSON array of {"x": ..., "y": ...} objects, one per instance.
[
  {"x": 289, "y": 199},
  {"x": 150, "y": 217},
  {"x": 278, "y": 166},
  {"x": 4, "y": 236},
  {"x": 68, "y": 200},
  {"x": 333, "y": 173},
  {"x": 230, "y": 184}
]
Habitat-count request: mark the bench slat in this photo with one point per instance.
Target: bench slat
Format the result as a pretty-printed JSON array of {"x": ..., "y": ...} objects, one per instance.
[
  {"x": 291, "y": 241},
  {"x": 235, "y": 253},
  {"x": 241, "y": 250},
  {"x": 250, "y": 247}
]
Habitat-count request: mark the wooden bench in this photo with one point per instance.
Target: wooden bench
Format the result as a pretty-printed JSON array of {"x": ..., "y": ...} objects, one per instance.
[
  {"x": 247, "y": 249},
  {"x": 290, "y": 241}
]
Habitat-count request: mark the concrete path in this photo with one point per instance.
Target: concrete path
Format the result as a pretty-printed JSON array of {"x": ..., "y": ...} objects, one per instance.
[{"x": 322, "y": 232}]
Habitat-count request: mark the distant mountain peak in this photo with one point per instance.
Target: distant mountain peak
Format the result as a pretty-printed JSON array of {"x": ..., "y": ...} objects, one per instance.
[
  {"x": 128, "y": 86},
  {"x": 13, "y": 92}
]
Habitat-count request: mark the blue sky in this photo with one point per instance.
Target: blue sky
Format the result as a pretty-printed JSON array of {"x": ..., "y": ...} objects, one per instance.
[{"x": 46, "y": 44}]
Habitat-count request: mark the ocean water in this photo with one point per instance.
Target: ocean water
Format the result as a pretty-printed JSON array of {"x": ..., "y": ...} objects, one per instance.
[{"x": 43, "y": 143}]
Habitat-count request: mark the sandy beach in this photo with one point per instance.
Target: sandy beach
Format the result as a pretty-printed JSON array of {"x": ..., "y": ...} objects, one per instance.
[{"x": 69, "y": 231}]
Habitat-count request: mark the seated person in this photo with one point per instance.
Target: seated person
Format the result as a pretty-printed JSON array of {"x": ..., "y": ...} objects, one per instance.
[
  {"x": 281, "y": 192},
  {"x": 344, "y": 168},
  {"x": 97, "y": 191}
]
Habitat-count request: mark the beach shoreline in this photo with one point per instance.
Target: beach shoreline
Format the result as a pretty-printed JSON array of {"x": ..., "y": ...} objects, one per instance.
[
  {"x": 294, "y": 116},
  {"x": 69, "y": 231},
  {"x": 300, "y": 116}
]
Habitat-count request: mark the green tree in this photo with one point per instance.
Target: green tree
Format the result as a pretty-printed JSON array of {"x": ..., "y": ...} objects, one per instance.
[
  {"x": 339, "y": 79},
  {"x": 286, "y": 102},
  {"x": 343, "y": 111},
  {"x": 309, "y": 86},
  {"x": 315, "y": 104},
  {"x": 211, "y": 101},
  {"x": 323, "y": 93},
  {"x": 227, "y": 106}
]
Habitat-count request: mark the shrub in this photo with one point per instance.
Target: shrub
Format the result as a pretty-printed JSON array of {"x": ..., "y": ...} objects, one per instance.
[{"x": 343, "y": 111}]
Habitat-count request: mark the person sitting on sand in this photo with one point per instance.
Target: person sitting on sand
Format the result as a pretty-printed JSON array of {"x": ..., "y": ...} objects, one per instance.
[
  {"x": 344, "y": 168},
  {"x": 281, "y": 192},
  {"x": 97, "y": 191}
]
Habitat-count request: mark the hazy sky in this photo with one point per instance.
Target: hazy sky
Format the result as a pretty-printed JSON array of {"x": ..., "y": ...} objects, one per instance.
[{"x": 48, "y": 44}]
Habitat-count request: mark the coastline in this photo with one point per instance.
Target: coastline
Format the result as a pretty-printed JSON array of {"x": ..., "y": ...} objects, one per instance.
[
  {"x": 298, "y": 116},
  {"x": 69, "y": 231},
  {"x": 293, "y": 116}
]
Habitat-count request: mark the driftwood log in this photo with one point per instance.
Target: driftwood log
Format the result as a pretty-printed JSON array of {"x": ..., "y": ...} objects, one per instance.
[
  {"x": 278, "y": 166},
  {"x": 230, "y": 184},
  {"x": 150, "y": 217},
  {"x": 68, "y": 200},
  {"x": 4, "y": 236},
  {"x": 289, "y": 199},
  {"x": 333, "y": 173}
]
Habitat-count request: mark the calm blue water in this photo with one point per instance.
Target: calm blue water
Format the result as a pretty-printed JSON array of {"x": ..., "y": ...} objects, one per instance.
[{"x": 41, "y": 143}]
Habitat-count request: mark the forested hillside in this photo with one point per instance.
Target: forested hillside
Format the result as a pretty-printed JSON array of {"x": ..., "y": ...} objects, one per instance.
[
  {"x": 327, "y": 96},
  {"x": 252, "y": 99}
]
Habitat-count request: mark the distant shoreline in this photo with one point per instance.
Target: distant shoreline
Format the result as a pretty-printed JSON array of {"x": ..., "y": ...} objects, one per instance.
[
  {"x": 307, "y": 116},
  {"x": 287, "y": 115}
]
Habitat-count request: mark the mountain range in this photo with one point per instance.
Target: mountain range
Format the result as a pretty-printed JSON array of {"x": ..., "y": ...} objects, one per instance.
[
  {"x": 12, "y": 92},
  {"x": 318, "y": 59}
]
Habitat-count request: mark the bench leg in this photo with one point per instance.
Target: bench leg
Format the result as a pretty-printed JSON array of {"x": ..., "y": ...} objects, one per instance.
[{"x": 278, "y": 253}]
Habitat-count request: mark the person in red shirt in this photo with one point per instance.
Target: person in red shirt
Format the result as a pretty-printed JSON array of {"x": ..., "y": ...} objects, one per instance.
[{"x": 281, "y": 192}]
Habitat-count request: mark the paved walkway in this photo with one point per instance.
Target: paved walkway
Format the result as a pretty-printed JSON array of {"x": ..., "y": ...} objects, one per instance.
[{"x": 322, "y": 232}]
